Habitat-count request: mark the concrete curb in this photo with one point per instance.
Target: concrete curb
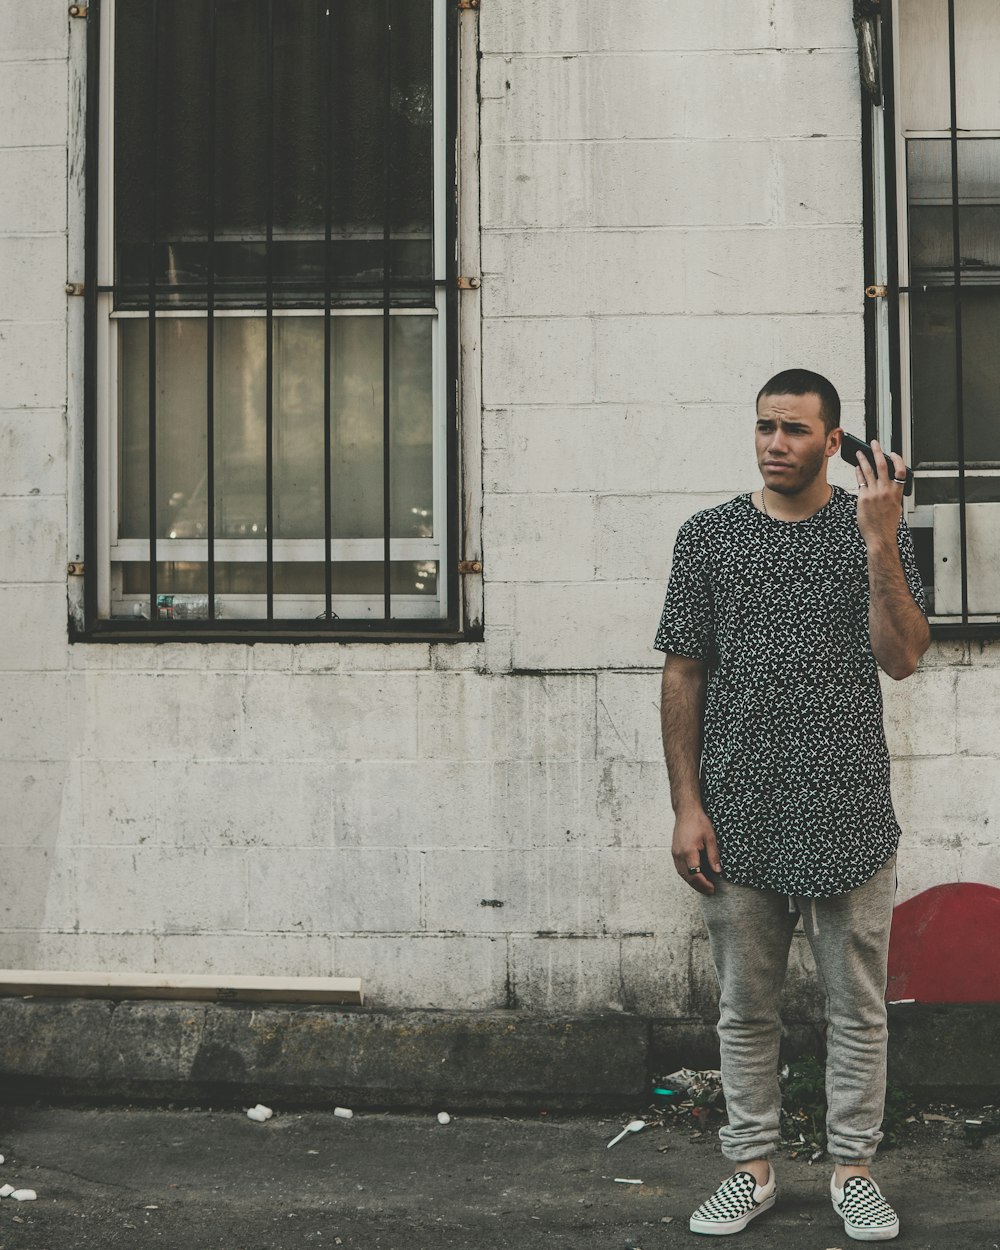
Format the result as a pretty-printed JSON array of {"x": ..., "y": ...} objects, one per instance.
[
  {"x": 496, "y": 1060},
  {"x": 319, "y": 1056}
]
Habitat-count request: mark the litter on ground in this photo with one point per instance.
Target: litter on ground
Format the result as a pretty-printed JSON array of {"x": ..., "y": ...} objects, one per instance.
[
  {"x": 633, "y": 1126},
  {"x": 260, "y": 1113},
  {"x": 444, "y": 1117}
]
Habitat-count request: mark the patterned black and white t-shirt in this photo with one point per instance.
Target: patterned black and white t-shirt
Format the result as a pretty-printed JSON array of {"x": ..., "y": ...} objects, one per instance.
[{"x": 795, "y": 770}]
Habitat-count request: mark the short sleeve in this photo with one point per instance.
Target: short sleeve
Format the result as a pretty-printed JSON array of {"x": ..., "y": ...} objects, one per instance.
[
  {"x": 909, "y": 561},
  {"x": 686, "y": 623}
]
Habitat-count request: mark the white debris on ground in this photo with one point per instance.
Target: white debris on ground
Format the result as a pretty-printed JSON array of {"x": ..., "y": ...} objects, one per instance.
[
  {"x": 633, "y": 1126},
  {"x": 19, "y": 1195},
  {"x": 345, "y": 1113},
  {"x": 444, "y": 1117},
  {"x": 260, "y": 1113}
]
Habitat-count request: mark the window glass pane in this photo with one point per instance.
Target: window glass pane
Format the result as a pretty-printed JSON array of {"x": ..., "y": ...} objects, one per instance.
[
  {"x": 977, "y": 55},
  {"x": 181, "y": 429},
  {"x": 932, "y": 352},
  {"x": 929, "y": 186},
  {"x": 361, "y": 577},
  {"x": 929, "y": 194},
  {"x": 932, "y": 490},
  {"x": 330, "y": 109},
  {"x": 356, "y": 365},
  {"x": 240, "y": 427},
  {"x": 924, "y": 77},
  {"x": 979, "y": 215},
  {"x": 924, "y": 102},
  {"x": 161, "y": 158}
]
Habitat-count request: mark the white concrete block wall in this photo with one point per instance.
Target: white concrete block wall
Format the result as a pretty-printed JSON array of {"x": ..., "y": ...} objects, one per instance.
[{"x": 670, "y": 212}]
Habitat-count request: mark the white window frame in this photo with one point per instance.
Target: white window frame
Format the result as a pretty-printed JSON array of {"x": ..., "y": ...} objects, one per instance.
[{"x": 248, "y": 611}]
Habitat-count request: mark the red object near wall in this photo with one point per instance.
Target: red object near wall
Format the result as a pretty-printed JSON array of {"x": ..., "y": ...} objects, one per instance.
[{"x": 945, "y": 946}]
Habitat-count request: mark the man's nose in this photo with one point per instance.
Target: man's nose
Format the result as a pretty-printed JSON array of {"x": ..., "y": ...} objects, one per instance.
[{"x": 777, "y": 441}]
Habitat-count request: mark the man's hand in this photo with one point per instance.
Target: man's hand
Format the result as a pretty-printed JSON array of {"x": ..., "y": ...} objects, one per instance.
[
  {"x": 693, "y": 834},
  {"x": 880, "y": 497},
  {"x": 896, "y": 626}
]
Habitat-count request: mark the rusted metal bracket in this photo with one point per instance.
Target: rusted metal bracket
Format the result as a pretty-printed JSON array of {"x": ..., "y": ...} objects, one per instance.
[
  {"x": 78, "y": 10},
  {"x": 470, "y": 566},
  {"x": 876, "y": 291},
  {"x": 469, "y": 284},
  {"x": 74, "y": 288},
  {"x": 75, "y": 569},
  {"x": 464, "y": 5}
]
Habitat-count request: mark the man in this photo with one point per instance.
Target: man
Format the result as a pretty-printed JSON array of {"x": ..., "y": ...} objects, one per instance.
[{"x": 781, "y": 606}]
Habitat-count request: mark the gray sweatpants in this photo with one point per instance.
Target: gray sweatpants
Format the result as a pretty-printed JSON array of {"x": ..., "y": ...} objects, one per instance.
[{"x": 750, "y": 932}]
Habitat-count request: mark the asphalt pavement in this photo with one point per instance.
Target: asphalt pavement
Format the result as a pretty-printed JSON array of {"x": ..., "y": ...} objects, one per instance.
[{"x": 187, "y": 1179}]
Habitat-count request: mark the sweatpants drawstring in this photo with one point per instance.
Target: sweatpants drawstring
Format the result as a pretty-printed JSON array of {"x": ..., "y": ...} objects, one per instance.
[{"x": 793, "y": 908}]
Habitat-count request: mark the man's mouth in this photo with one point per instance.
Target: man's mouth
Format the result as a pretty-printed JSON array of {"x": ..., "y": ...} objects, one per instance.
[{"x": 778, "y": 465}]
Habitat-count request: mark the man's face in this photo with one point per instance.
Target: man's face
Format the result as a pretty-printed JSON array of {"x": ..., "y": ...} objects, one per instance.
[{"x": 792, "y": 443}]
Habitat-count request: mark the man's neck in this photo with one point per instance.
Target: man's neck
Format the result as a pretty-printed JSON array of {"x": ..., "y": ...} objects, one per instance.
[{"x": 797, "y": 507}]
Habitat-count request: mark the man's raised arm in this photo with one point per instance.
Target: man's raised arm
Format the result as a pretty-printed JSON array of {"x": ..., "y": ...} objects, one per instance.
[{"x": 897, "y": 628}]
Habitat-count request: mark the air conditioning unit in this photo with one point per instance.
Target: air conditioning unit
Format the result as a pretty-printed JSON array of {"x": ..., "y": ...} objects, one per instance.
[{"x": 982, "y": 553}]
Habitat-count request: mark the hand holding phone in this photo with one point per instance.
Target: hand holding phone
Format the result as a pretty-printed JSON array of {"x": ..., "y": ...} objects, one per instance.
[{"x": 849, "y": 448}]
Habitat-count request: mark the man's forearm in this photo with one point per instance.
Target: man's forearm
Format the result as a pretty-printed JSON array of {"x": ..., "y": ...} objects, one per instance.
[
  {"x": 897, "y": 628},
  {"x": 682, "y": 707}
]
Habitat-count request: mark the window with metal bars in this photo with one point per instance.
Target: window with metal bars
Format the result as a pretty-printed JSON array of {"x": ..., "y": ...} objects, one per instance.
[
  {"x": 271, "y": 401},
  {"x": 933, "y": 136}
]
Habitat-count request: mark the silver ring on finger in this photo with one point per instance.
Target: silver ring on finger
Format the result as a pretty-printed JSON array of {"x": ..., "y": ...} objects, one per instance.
[{"x": 696, "y": 868}]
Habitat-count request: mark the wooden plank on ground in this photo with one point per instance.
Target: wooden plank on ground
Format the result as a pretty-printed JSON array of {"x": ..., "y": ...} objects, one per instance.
[{"x": 180, "y": 986}]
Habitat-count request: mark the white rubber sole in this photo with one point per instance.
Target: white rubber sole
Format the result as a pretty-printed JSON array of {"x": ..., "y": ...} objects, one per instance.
[
  {"x": 722, "y": 1228},
  {"x": 887, "y": 1233}
]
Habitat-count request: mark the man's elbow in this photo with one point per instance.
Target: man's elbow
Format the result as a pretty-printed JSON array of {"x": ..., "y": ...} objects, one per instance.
[
  {"x": 900, "y": 671},
  {"x": 899, "y": 667}
]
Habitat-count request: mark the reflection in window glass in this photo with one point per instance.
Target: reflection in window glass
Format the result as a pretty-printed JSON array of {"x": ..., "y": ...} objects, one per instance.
[
  {"x": 240, "y": 427},
  {"x": 932, "y": 350}
]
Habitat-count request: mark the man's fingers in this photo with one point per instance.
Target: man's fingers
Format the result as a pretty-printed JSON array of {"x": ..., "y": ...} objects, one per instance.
[
  {"x": 701, "y": 883},
  {"x": 883, "y": 468},
  {"x": 712, "y": 851},
  {"x": 898, "y": 467}
]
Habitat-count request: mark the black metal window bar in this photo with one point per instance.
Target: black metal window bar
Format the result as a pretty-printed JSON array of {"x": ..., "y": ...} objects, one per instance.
[
  {"x": 942, "y": 106},
  {"x": 270, "y": 422}
]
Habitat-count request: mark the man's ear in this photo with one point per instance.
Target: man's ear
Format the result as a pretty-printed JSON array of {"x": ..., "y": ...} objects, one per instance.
[{"x": 833, "y": 441}]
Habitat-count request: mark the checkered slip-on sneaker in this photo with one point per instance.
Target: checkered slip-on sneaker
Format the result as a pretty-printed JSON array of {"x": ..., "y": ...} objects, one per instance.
[
  {"x": 866, "y": 1214},
  {"x": 734, "y": 1204}
]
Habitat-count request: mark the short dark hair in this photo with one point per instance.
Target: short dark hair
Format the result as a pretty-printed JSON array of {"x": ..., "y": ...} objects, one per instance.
[{"x": 805, "y": 382}]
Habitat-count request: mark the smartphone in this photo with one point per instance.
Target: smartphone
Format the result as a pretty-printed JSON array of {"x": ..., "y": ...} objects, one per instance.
[{"x": 849, "y": 448}]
